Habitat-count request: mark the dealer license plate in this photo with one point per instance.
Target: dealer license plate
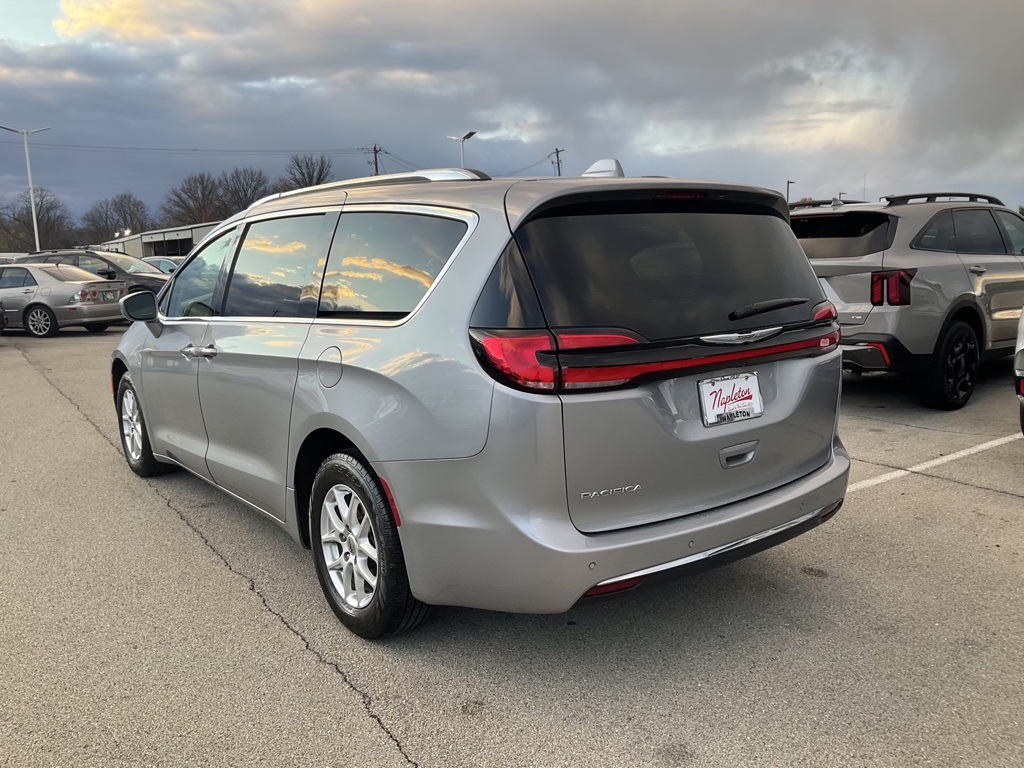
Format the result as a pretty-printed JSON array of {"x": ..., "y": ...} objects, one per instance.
[
  {"x": 730, "y": 398},
  {"x": 108, "y": 295}
]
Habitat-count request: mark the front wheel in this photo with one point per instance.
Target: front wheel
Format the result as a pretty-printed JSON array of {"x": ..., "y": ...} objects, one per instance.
[
  {"x": 134, "y": 436},
  {"x": 954, "y": 374},
  {"x": 357, "y": 553},
  {"x": 40, "y": 321}
]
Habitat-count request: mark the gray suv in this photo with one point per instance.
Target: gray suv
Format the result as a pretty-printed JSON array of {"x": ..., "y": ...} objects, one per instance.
[
  {"x": 926, "y": 284},
  {"x": 508, "y": 394}
]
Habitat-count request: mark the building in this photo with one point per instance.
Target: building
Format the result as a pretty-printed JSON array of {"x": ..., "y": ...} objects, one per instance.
[{"x": 173, "y": 241}]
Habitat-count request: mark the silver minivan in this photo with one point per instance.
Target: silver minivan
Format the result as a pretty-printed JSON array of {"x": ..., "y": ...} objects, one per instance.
[{"x": 508, "y": 394}]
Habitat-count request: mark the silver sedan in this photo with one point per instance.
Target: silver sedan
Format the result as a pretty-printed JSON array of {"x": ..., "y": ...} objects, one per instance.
[{"x": 43, "y": 298}]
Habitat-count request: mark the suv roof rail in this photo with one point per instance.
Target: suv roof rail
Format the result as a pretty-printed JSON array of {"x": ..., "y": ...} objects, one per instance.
[
  {"x": 431, "y": 174},
  {"x": 835, "y": 202},
  {"x": 932, "y": 197}
]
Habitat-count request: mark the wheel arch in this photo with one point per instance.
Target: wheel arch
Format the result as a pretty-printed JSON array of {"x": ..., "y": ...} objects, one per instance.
[
  {"x": 118, "y": 368},
  {"x": 968, "y": 313},
  {"x": 315, "y": 448}
]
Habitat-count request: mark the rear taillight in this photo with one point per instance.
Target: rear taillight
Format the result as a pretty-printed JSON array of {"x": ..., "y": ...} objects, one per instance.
[
  {"x": 891, "y": 287},
  {"x": 1020, "y": 386},
  {"x": 825, "y": 311},
  {"x": 535, "y": 360}
]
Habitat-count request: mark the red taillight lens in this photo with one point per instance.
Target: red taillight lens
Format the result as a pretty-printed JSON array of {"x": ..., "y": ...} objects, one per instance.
[
  {"x": 825, "y": 311},
  {"x": 892, "y": 287},
  {"x": 615, "y": 586},
  {"x": 515, "y": 356},
  {"x": 1020, "y": 386}
]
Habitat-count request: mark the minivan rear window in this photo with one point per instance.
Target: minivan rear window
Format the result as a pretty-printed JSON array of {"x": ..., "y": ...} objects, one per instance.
[
  {"x": 666, "y": 271},
  {"x": 842, "y": 235}
]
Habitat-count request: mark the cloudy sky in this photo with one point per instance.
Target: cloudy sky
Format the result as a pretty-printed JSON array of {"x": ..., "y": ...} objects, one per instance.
[{"x": 877, "y": 96}]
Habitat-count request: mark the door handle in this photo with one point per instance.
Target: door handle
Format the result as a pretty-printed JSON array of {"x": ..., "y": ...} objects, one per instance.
[
  {"x": 28, "y": 290},
  {"x": 192, "y": 350},
  {"x": 977, "y": 269}
]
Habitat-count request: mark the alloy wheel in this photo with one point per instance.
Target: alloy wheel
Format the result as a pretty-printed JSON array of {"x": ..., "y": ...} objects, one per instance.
[
  {"x": 131, "y": 425},
  {"x": 39, "y": 322},
  {"x": 349, "y": 546}
]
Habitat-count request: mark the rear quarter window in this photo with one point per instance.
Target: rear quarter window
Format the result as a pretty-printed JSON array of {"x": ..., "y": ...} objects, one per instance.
[{"x": 382, "y": 263}]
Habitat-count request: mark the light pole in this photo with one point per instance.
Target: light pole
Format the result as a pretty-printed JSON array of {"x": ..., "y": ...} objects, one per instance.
[
  {"x": 462, "y": 146},
  {"x": 788, "y": 184},
  {"x": 28, "y": 167}
]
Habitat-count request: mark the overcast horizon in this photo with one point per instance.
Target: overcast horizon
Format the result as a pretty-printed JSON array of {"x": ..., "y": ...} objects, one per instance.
[{"x": 870, "y": 98}]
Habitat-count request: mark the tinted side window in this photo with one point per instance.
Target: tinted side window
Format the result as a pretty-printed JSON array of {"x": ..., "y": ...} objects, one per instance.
[
  {"x": 1013, "y": 226},
  {"x": 382, "y": 263},
  {"x": 192, "y": 294},
  {"x": 92, "y": 264},
  {"x": 976, "y": 232},
  {"x": 937, "y": 235},
  {"x": 12, "y": 277},
  {"x": 279, "y": 267}
]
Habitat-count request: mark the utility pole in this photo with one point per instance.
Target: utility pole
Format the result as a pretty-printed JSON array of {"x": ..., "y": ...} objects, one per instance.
[
  {"x": 376, "y": 151},
  {"x": 788, "y": 185},
  {"x": 558, "y": 159}
]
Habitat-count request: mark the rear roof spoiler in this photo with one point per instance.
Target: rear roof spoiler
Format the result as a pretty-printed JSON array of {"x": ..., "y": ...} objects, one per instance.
[{"x": 835, "y": 202}]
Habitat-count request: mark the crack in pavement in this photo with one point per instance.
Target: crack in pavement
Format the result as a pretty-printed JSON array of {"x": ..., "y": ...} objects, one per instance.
[{"x": 367, "y": 699}]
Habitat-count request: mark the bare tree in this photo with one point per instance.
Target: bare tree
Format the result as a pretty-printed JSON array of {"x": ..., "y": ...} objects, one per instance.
[
  {"x": 195, "y": 201},
  {"x": 241, "y": 187},
  {"x": 131, "y": 213},
  {"x": 56, "y": 225},
  {"x": 121, "y": 213},
  {"x": 306, "y": 171},
  {"x": 98, "y": 223}
]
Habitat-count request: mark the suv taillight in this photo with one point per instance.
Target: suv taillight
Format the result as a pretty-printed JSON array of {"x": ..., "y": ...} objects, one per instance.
[
  {"x": 891, "y": 287},
  {"x": 1020, "y": 386}
]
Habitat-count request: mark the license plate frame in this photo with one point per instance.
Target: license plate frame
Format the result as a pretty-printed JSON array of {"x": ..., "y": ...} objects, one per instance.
[
  {"x": 108, "y": 295},
  {"x": 728, "y": 399}
]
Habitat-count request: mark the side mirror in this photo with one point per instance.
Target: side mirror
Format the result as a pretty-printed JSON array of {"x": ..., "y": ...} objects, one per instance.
[
  {"x": 107, "y": 274},
  {"x": 170, "y": 270},
  {"x": 140, "y": 305}
]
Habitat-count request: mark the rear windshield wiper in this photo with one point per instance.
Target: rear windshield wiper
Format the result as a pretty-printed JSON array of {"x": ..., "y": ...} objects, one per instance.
[{"x": 759, "y": 307}]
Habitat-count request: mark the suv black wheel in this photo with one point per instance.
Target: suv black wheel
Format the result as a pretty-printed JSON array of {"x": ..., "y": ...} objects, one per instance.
[
  {"x": 134, "y": 436},
  {"x": 357, "y": 552},
  {"x": 954, "y": 374}
]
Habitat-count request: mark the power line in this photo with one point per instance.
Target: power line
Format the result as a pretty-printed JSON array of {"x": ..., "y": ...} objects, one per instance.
[
  {"x": 96, "y": 148},
  {"x": 532, "y": 165}
]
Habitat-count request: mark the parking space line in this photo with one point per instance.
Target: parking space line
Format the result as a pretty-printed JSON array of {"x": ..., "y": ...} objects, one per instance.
[{"x": 933, "y": 463}]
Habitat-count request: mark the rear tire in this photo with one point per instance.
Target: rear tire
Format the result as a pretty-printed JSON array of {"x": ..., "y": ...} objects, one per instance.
[
  {"x": 96, "y": 327},
  {"x": 40, "y": 321},
  {"x": 357, "y": 552},
  {"x": 134, "y": 434},
  {"x": 954, "y": 373}
]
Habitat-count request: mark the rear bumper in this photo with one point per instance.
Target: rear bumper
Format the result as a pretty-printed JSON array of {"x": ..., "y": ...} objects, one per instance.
[
  {"x": 464, "y": 547},
  {"x": 88, "y": 313},
  {"x": 879, "y": 352}
]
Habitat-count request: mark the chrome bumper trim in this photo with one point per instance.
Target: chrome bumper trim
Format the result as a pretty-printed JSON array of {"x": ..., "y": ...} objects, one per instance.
[{"x": 716, "y": 550}]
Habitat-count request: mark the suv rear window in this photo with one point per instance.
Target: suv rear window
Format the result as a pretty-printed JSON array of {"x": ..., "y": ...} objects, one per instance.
[
  {"x": 665, "y": 271},
  {"x": 842, "y": 235}
]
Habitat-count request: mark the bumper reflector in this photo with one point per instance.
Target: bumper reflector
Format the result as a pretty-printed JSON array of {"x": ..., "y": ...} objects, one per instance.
[{"x": 615, "y": 586}]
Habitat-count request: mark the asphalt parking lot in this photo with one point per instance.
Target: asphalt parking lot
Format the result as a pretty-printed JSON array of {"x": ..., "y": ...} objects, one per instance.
[{"x": 161, "y": 623}]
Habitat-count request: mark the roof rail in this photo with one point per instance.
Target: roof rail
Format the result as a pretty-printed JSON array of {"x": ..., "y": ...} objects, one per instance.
[
  {"x": 433, "y": 174},
  {"x": 932, "y": 197},
  {"x": 835, "y": 202}
]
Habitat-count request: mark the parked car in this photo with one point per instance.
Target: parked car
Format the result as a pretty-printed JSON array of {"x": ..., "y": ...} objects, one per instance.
[
  {"x": 501, "y": 394},
  {"x": 1018, "y": 368},
  {"x": 136, "y": 274},
  {"x": 43, "y": 298},
  {"x": 3, "y": 319},
  {"x": 926, "y": 284},
  {"x": 166, "y": 264}
]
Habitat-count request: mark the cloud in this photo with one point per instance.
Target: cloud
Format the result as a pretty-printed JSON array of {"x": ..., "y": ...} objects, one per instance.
[{"x": 921, "y": 92}]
